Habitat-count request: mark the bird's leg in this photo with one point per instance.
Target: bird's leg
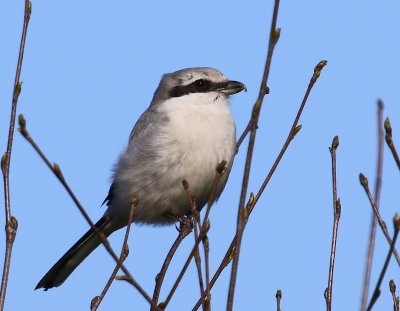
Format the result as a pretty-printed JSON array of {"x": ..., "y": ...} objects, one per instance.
[{"x": 185, "y": 221}]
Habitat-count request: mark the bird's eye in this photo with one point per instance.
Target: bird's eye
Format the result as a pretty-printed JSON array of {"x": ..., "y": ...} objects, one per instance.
[{"x": 201, "y": 85}]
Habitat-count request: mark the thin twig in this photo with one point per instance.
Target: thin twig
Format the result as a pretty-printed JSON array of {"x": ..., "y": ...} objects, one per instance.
[
  {"x": 336, "y": 214},
  {"x": 372, "y": 230},
  {"x": 197, "y": 261},
  {"x": 221, "y": 169},
  {"x": 184, "y": 231},
  {"x": 273, "y": 39},
  {"x": 396, "y": 300},
  {"x": 206, "y": 245},
  {"x": 224, "y": 263},
  {"x": 11, "y": 222},
  {"x": 197, "y": 229},
  {"x": 382, "y": 224},
  {"x": 243, "y": 136},
  {"x": 183, "y": 271},
  {"x": 294, "y": 129},
  {"x": 55, "y": 168},
  {"x": 389, "y": 141},
  {"x": 124, "y": 254},
  {"x": 204, "y": 227},
  {"x": 377, "y": 291},
  {"x": 193, "y": 206},
  {"x": 254, "y": 199},
  {"x": 278, "y": 299}
]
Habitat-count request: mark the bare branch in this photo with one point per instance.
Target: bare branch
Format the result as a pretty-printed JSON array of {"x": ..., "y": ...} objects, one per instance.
[
  {"x": 273, "y": 39},
  {"x": 389, "y": 141},
  {"x": 224, "y": 263},
  {"x": 11, "y": 222},
  {"x": 183, "y": 271},
  {"x": 396, "y": 300},
  {"x": 184, "y": 231},
  {"x": 243, "y": 136},
  {"x": 124, "y": 254},
  {"x": 372, "y": 230},
  {"x": 197, "y": 228},
  {"x": 204, "y": 226},
  {"x": 377, "y": 291},
  {"x": 278, "y": 299},
  {"x": 336, "y": 214},
  {"x": 382, "y": 224}
]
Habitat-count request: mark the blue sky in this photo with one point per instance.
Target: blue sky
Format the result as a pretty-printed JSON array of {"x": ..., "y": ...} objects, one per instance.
[{"x": 91, "y": 68}]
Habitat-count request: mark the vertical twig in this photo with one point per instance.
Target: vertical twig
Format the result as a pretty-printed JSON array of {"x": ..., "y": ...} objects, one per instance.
[
  {"x": 273, "y": 39},
  {"x": 396, "y": 300},
  {"x": 206, "y": 245},
  {"x": 389, "y": 141},
  {"x": 183, "y": 271},
  {"x": 56, "y": 170},
  {"x": 224, "y": 263},
  {"x": 197, "y": 261},
  {"x": 11, "y": 222},
  {"x": 184, "y": 231},
  {"x": 372, "y": 229},
  {"x": 382, "y": 224},
  {"x": 377, "y": 291},
  {"x": 196, "y": 229},
  {"x": 124, "y": 254},
  {"x": 204, "y": 226},
  {"x": 221, "y": 169},
  {"x": 336, "y": 214},
  {"x": 278, "y": 299}
]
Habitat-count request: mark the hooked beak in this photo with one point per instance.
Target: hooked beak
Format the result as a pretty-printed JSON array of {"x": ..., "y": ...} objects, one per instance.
[{"x": 232, "y": 87}]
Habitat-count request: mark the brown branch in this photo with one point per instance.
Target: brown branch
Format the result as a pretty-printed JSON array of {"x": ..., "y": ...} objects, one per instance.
[
  {"x": 278, "y": 299},
  {"x": 254, "y": 199},
  {"x": 224, "y": 263},
  {"x": 204, "y": 226},
  {"x": 336, "y": 214},
  {"x": 389, "y": 141},
  {"x": 206, "y": 246},
  {"x": 184, "y": 231},
  {"x": 243, "y": 136},
  {"x": 273, "y": 39},
  {"x": 11, "y": 222},
  {"x": 372, "y": 230},
  {"x": 55, "y": 168},
  {"x": 377, "y": 291},
  {"x": 220, "y": 170},
  {"x": 197, "y": 228},
  {"x": 197, "y": 260},
  {"x": 396, "y": 300},
  {"x": 293, "y": 131},
  {"x": 382, "y": 224},
  {"x": 124, "y": 254},
  {"x": 183, "y": 271}
]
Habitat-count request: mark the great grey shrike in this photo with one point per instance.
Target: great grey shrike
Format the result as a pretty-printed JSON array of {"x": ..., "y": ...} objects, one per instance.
[{"x": 184, "y": 134}]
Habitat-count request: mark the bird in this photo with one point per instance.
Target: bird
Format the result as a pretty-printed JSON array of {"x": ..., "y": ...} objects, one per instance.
[{"x": 184, "y": 134}]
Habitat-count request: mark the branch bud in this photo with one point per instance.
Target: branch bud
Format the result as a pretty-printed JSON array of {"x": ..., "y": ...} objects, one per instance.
[{"x": 363, "y": 180}]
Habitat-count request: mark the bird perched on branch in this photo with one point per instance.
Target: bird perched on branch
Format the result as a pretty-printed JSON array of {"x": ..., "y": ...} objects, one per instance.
[{"x": 184, "y": 134}]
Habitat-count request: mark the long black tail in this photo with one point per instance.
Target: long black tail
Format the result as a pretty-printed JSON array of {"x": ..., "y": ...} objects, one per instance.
[{"x": 74, "y": 256}]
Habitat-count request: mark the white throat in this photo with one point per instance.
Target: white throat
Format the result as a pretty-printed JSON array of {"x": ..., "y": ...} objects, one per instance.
[{"x": 201, "y": 119}]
